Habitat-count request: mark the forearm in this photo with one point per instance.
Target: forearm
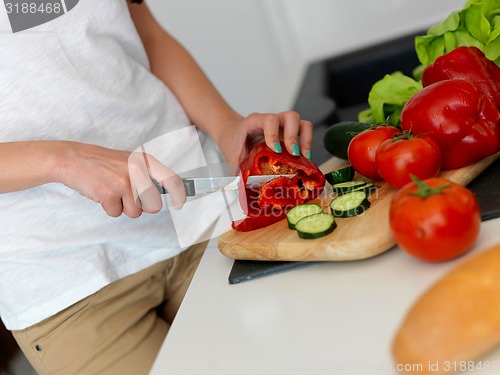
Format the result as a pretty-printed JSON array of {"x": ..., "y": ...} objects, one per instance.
[
  {"x": 28, "y": 164},
  {"x": 101, "y": 174},
  {"x": 172, "y": 64}
]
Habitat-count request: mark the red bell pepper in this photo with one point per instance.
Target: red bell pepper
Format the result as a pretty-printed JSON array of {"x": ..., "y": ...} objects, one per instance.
[
  {"x": 461, "y": 118},
  {"x": 469, "y": 64},
  {"x": 458, "y": 107},
  {"x": 269, "y": 203}
]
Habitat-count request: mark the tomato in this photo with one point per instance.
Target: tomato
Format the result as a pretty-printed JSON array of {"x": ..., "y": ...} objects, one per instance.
[
  {"x": 435, "y": 219},
  {"x": 404, "y": 155},
  {"x": 363, "y": 147}
]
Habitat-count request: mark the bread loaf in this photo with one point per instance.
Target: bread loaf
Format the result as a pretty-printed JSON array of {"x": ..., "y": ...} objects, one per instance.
[{"x": 454, "y": 322}]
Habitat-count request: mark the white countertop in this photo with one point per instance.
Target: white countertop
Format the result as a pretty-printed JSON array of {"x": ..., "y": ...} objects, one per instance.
[{"x": 330, "y": 318}]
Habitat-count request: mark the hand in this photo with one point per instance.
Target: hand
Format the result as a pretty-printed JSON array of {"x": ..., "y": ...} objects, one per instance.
[
  {"x": 119, "y": 180},
  {"x": 237, "y": 140}
]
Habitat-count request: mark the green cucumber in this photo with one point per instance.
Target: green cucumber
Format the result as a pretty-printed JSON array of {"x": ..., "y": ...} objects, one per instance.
[
  {"x": 340, "y": 175},
  {"x": 300, "y": 211},
  {"x": 367, "y": 188},
  {"x": 350, "y": 204},
  {"x": 346, "y": 187},
  {"x": 315, "y": 226},
  {"x": 339, "y": 135}
]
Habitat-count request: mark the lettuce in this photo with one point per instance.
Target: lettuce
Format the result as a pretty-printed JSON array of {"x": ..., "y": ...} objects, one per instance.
[
  {"x": 477, "y": 24},
  {"x": 387, "y": 98}
]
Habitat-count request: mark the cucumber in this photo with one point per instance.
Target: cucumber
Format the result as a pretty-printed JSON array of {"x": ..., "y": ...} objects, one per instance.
[
  {"x": 315, "y": 226},
  {"x": 300, "y": 211},
  {"x": 337, "y": 137},
  {"x": 367, "y": 188},
  {"x": 346, "y": 187},
  {"x": 350, "y": 204},
  {"x": 340, "y": 175}
]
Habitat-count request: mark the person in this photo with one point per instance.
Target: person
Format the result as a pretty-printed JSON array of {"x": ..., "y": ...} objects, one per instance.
[{"x": 91, "y": 275}]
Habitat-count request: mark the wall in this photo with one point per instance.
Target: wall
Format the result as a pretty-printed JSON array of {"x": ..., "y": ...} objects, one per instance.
[
  {"x": 322, "y": 28},
  {"x": 256, "y": 51}
]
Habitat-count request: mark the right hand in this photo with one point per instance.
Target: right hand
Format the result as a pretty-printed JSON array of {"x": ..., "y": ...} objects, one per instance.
[{"x": 119, "y": 180}]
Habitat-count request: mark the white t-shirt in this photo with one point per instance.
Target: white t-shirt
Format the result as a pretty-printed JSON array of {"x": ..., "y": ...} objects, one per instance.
[{"x": 83, "y": 76}]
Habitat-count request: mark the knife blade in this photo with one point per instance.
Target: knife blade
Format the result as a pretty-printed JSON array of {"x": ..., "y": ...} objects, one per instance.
[{"x": 202, "y": 185}]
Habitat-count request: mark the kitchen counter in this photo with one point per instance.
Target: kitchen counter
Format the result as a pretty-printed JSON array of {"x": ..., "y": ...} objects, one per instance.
[
  {"x": 322, "y": 318},
  {"x": 327, "y": 318}
]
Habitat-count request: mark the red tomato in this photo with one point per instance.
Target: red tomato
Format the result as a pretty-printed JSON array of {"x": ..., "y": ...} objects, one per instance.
[
  {"x": 363, "y": 147},
  {"x": 434, "y": 220},
  {"x": 401, "y": 157}
]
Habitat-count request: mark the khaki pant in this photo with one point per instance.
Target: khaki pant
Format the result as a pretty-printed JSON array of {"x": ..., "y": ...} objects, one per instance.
[{"x": 119, "y": 329}]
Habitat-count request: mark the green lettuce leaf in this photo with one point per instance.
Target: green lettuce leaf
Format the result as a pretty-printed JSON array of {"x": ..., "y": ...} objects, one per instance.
[
  {"x": 477, "y": 24},
  {"x": 492, "y": 48},
  {"x": 387, "y": 98}
]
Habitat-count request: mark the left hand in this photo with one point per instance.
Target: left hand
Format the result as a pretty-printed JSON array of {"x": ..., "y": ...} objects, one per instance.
[{"x": 295, "y": 132}]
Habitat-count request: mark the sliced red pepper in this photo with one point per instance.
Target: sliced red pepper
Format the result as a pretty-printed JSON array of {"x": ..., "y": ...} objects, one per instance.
[
  {"x": 269, "y": 203},
  {"x": 255, "y": 222},
  {"x": 278, "y": 194},
  {"x": 469, "y": 64}
]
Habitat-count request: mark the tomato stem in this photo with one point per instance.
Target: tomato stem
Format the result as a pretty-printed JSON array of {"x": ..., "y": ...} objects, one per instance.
[
  {"x": 425, "y": 190},
  {"x": 404, "y": 135}
]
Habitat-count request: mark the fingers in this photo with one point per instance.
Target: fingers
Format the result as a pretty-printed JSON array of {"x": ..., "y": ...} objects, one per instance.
[
  {"x": 126, "y": 205},
  {"x": 175, "y": 188},
  {"x": 144, "y": 193},
  {"x": 267, "y": 124},
  {"x": 169, "y": 180},
  {"x": 291, "y": 127},
  {"x": 130, "y": 206},
  {"x": 113, "y": 208},
  {"x": 142, "y": 168},
  {"x": 271, "y": 130},
  {"x": 306, "y": 138},
  {"x": 297, "y": 133},
  {"x": 115, "y": 203}
]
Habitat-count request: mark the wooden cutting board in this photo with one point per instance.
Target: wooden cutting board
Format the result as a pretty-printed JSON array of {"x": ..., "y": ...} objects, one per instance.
[{"x": 358, "y": 237}]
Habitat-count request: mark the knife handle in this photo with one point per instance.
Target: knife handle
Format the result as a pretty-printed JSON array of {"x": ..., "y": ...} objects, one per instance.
[{"x": 188, "y": 186}]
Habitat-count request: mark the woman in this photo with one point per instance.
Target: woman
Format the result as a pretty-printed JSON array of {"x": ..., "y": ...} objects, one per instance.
[{"x": 90, "y": 284}]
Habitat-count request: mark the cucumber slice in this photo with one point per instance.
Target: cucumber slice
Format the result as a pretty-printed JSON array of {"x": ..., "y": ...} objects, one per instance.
[
  {"x": 350, "y": 204},
  {"x": 368, "y": 188},
  {"x": 340, "y": 175},
  {"x": 300, "y": 211},
  {"x": 346, "y": 187},
  {"x": 315, "y": 226}
]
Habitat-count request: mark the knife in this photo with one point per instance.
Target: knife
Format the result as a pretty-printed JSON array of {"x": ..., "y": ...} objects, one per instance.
[{"x": 202, "y": 185}]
